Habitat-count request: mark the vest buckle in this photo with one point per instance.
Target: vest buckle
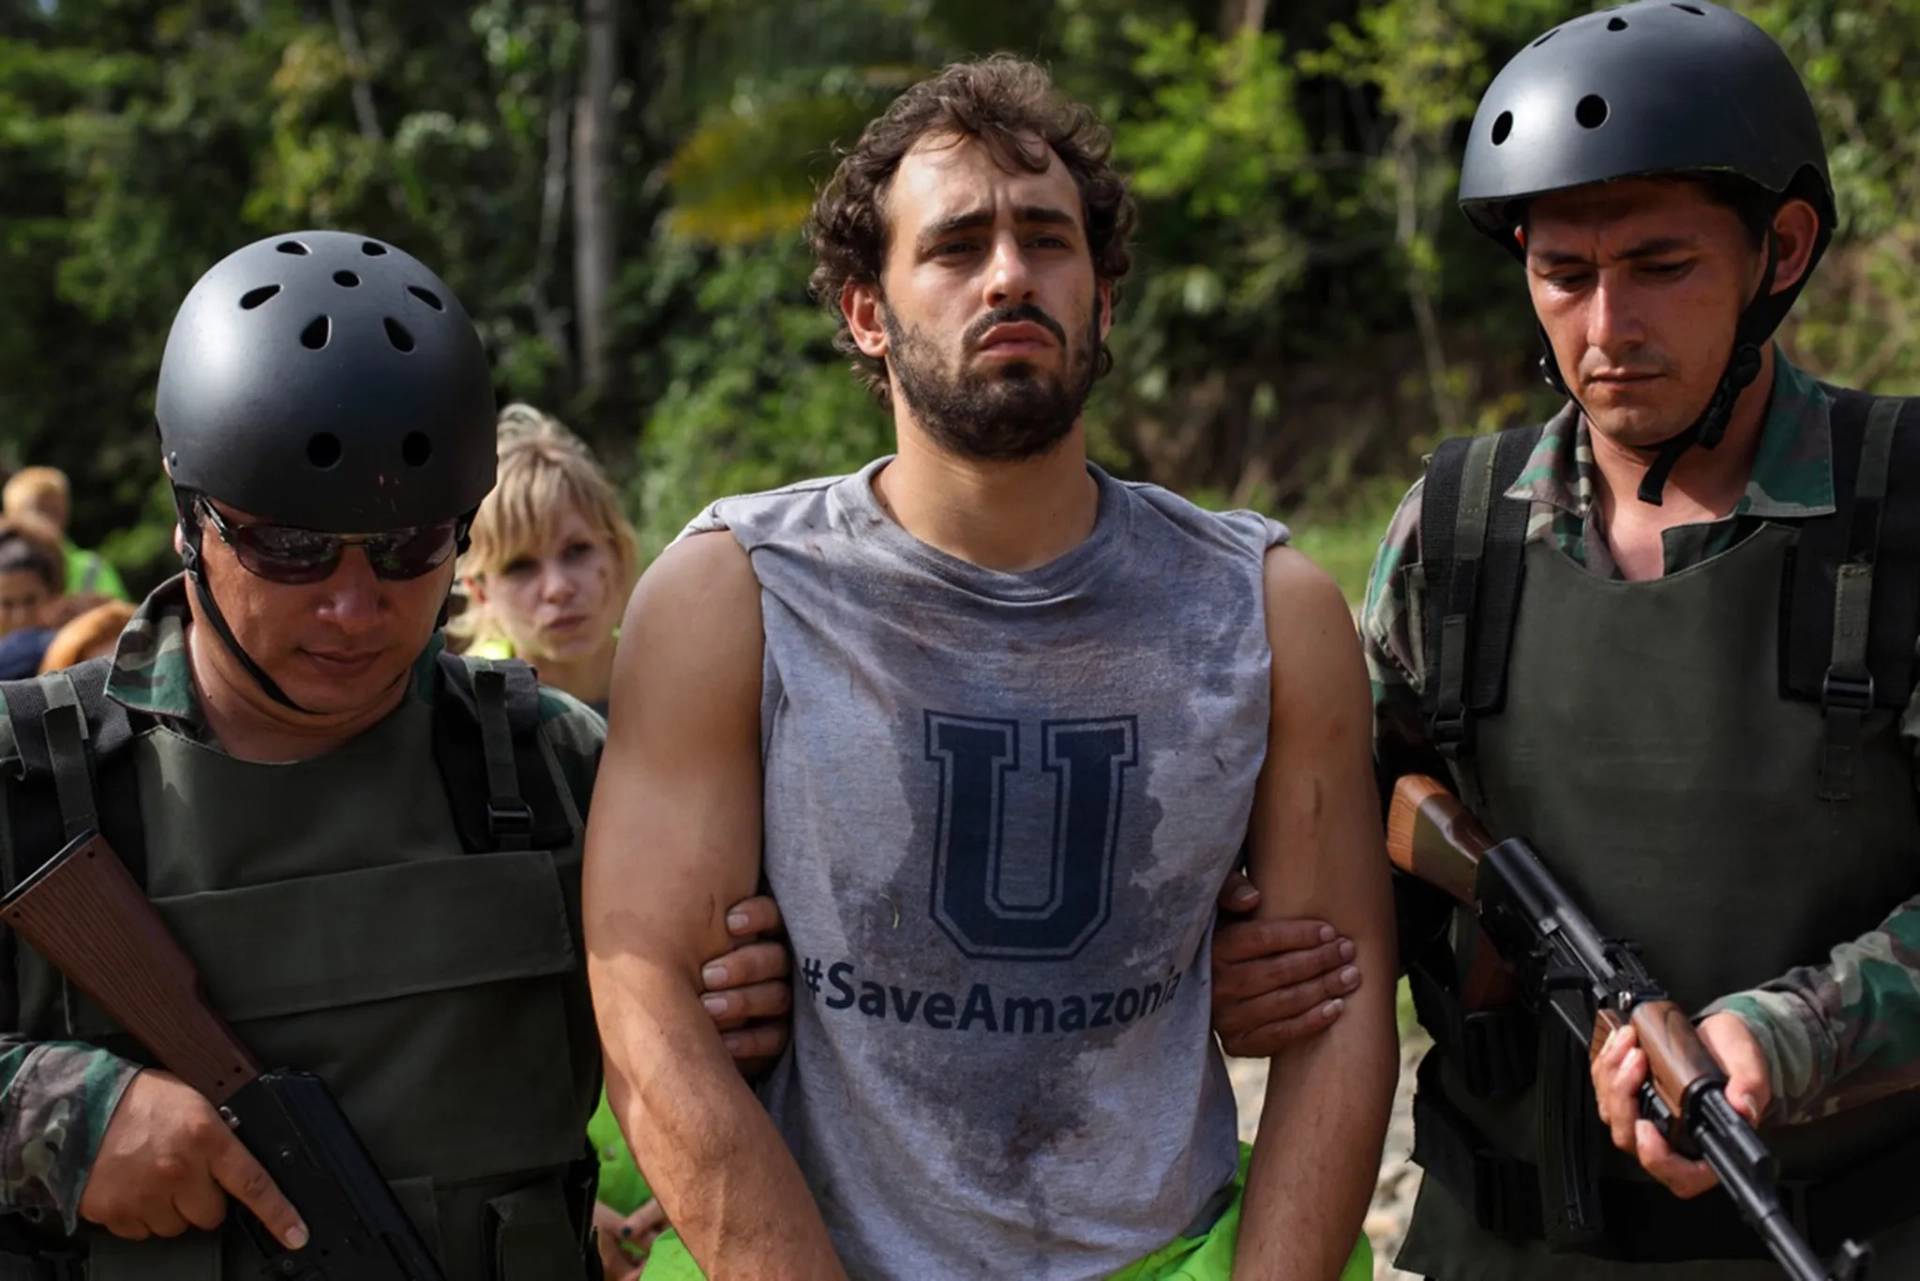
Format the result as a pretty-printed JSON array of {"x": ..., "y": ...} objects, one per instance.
[
  {"x": 509, "y": 818},
  {"x": 1846, "y": 693}
]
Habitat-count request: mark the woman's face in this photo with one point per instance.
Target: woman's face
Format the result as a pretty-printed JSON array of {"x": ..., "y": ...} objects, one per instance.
[
  {"x": 558, "y": 600},
  {"x": 23, "y": 598}
]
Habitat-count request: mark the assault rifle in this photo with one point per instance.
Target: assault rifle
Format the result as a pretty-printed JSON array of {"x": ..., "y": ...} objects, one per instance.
[
  {"x": 83, "y": 912},
  {"x": 1594, "y": 985}
]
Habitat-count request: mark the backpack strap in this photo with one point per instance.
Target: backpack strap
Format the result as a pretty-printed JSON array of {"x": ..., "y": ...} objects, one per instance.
[
  {"x": 1472, "y": 539},
  {"x": 486, "y": 740},
  {"x": 73, "y": 770},
  {"x": 1851, "y": 600}
]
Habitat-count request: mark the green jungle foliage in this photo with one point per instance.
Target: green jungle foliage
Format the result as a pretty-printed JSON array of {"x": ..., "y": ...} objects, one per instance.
[{"x": 1307, "y": 315}]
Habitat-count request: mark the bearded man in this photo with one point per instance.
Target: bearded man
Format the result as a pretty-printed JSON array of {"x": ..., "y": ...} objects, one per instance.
[{"x": 995, "y": 727}]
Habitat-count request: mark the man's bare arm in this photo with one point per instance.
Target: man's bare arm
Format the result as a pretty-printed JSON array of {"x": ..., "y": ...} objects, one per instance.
[
  {"x": 673, "y": 838},
  {"x": 1315, "y": 850}
]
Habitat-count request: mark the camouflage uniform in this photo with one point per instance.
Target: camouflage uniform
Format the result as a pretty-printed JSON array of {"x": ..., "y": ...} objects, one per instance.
[
  {"x": 56, "y": 1098},
  {"x": 1833, "y": 1035}
]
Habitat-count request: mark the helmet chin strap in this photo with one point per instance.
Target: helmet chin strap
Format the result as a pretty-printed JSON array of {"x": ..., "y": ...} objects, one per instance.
[
  {"x": 209, "y": 608},
  {"x": 1757, "y": 323}
]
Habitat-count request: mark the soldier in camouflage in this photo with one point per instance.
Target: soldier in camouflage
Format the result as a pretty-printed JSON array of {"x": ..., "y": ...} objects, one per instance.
[
  {"x": 295, "y": 769},
  {"x": 1668, "y": 637},
  {"x": 1596, "y": 629}
]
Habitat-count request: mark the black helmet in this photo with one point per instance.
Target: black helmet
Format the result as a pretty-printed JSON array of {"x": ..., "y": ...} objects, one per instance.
[
  {"x": 325, "y": 381},
  {"x": 1652, "y": 88},
  {"x": 330, "y": 382}
]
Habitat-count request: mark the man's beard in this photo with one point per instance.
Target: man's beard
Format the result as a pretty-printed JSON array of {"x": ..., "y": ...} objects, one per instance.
[{"x": 1014, "y": 412}]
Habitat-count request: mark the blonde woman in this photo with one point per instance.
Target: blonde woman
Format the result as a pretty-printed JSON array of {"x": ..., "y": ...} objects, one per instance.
[{"x": 552, "y": 559}]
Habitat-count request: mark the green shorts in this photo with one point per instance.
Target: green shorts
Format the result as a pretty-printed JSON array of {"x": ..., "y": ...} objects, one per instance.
[
  {"x": 1205, "y": 1258},
  {"x": 621, "y": 1184}
]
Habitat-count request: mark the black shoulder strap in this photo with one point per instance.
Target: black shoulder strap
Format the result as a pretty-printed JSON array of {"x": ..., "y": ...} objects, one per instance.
[
  {"x": 1471, "y": 542},
  {"x": 486, "y": 740},
  {"x": 73, "y": 770},
  {"x": 1850, "y": 605}
]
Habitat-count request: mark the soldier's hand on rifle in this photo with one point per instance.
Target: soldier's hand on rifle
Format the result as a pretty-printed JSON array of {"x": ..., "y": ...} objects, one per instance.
[
  {"x": 1621, "y": 1066},
  {"x": 168, "y": 1163},
  {"x": 747, "y": 992},
  {"x": 1275, "y": 982}
]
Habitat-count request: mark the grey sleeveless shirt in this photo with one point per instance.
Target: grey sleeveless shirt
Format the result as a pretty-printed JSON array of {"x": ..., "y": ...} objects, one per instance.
[{"x": 998, "y": 808}]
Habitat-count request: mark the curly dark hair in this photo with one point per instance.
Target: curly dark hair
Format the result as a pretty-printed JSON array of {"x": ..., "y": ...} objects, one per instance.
[{"x": 1011, "y": 106}]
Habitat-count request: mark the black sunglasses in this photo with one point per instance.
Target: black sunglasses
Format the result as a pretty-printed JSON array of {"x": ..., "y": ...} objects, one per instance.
[{"x": 283, "y": 554}]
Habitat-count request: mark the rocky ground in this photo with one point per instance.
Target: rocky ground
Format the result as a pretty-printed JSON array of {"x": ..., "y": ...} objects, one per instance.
[{"x": 1399, "y": 1178}]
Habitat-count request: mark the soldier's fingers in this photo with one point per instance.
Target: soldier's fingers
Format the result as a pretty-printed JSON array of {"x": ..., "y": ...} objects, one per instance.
[
  {"x": 1285, "y": 1003},
  {"x": 755, "y": 916},
  {"x": 761, "y": 1001},
  {"x": 164, "y": 1220},
  {"x": 754, "y": 963},
  {"x": 758, "y": 1041},
  {"x": 1238, "y": 894},
  {"x": 1269, "y": 1039},
  {"x": 1247, "y": 979},
  {"x": 201, "y": 1203},
  {"x": 1685, "y": 1179},
  {"x": 127, "y": 1229},
  {"x": 1621, "y": 1089},
  {"x": 248, "y": 1182},
  {"x": 1237, "y": 941}
]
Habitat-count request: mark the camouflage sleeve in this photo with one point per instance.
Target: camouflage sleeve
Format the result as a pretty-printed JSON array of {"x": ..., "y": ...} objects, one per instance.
[
  {"x": 575, "y": 733},
  {"x": 1840, "y": 1034},
  {"x": 56, "y": 1098},
  {"x": 1390, "y": 636}
]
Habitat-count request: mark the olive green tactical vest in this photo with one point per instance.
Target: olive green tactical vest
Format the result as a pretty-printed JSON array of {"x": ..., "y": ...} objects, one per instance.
[
  {"x": 1645, "y": 750},
  {"x": 341, "y": 929}
]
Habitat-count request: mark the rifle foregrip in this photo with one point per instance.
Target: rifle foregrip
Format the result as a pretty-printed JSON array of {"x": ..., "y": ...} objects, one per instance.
[
  {"x": 83, "y": 912},
  {"x": 1677, "y": 1061}
]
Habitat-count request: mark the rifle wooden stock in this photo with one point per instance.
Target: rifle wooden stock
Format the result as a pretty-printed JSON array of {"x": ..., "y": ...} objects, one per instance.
[
  {"x": 83, "y": 912},
  {"x": 1431, "y": 835}
]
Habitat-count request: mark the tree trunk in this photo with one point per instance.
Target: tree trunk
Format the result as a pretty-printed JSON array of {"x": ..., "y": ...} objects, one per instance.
[
  {"x": 1237, "y": 16},
  {"x": 360, "y": 88},
  {"x": 594, "y": 250},
  {"x": 553, "y": 201}
]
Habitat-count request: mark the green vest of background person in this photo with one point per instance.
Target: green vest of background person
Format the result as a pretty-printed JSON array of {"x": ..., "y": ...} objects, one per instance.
[
  {"x": 91, "y": 574},
  {"x": 44, "y": 492}
]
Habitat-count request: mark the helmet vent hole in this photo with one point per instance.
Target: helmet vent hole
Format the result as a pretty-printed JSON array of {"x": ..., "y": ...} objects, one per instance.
[
  {"x": 315, "y": 335},
  {"x": 373, "y": 248},
  {"x": 397, "y": 335},
  {"x": 323, "y": 450},
  {"x": 416, "y": 449},
  {"x": 1543, "y": 39},
  {"x": 345, "y": 279},
  {"x": 254, "y": 297},
  {"x": 1616, "y": 24},
  {"x": 427, "y": 296},
  {"x": 1502, "y": 127},
  {"x": 1592, "y": 111},
  {"x": 293, "y": 247},
  {"x": 1695, "y": 11}
]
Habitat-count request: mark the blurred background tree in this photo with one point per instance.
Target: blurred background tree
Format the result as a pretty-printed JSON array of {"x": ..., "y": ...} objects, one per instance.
[{"x": 615, "y": 188}]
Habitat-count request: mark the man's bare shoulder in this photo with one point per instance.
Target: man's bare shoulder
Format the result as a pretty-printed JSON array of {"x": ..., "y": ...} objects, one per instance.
[
  {"x": 692, "y": 627},
  {"x": 1302, "y": 600},
  {"x": 703, "y": 571}
]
